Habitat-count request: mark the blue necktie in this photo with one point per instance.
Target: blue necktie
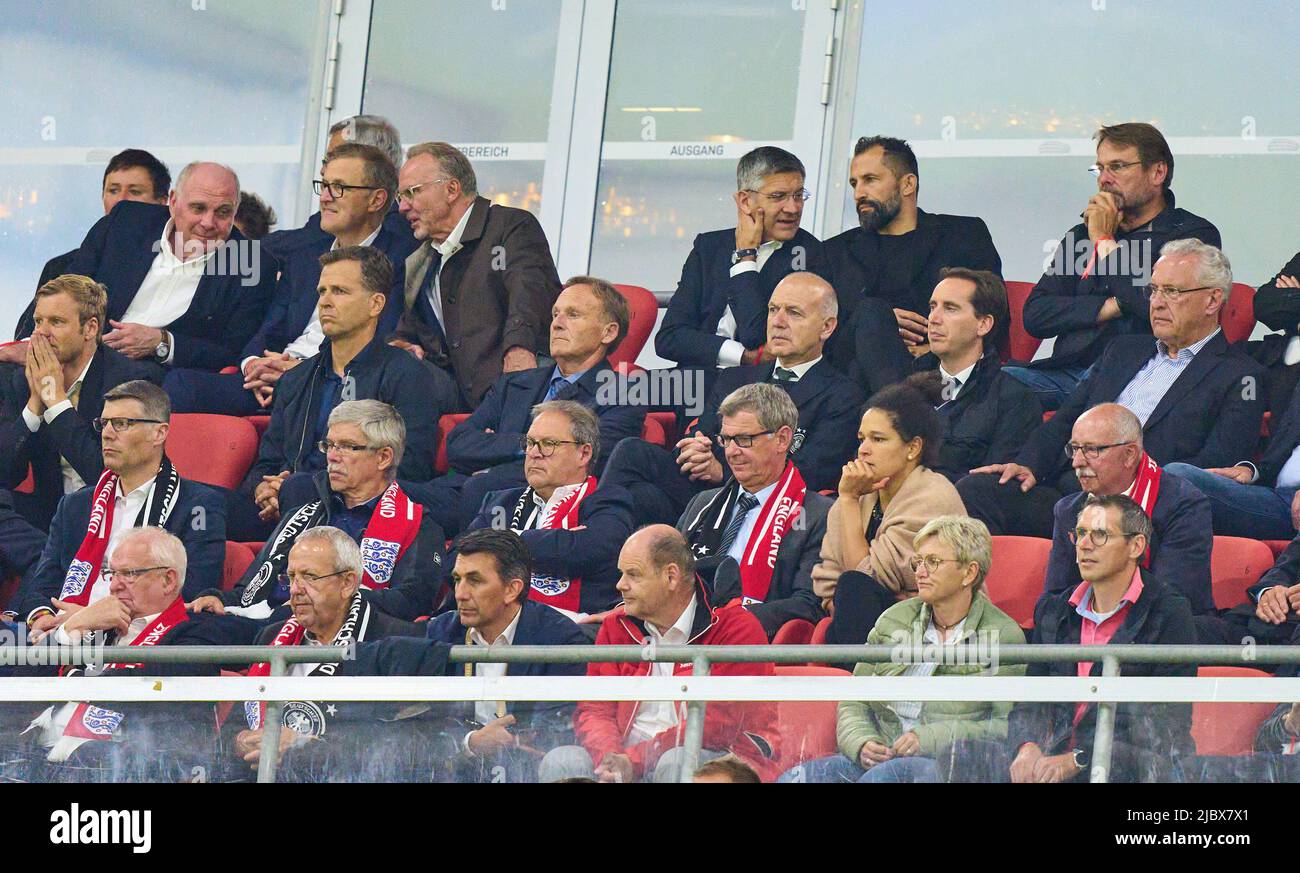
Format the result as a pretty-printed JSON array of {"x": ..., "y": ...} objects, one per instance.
[
  {"x": 556, "y": 384},
  {"x": 423, "y": 302},
  {"x": 744, "y": 503}
]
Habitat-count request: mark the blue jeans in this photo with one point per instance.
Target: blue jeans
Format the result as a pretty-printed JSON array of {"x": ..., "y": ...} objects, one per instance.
[
  {"x": 1051, "y": 387},
  {"x": 1253, "y": 511},
  {"x": 897, "y": 770},
  {"x": 838, "y": 768}
]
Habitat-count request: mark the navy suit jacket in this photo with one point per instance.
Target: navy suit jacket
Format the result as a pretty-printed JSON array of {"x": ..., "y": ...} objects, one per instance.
[
  {"x": 507, "y": 410},
  {"x": 1180, "y": 542},
  {"x": 224, "y": 314},
  {"x": 590, "y": 554},
  {"x": 69, "y": 436},
  {"x": 688, "y": 333},
  {"x": 1209, "y": 417},
  {"x": 198, "y": 519},
  {"x": 830, "y": 406}
]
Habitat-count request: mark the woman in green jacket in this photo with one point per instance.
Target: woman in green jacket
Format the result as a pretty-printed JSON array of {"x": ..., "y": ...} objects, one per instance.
[{"x": 899, "y": 741}]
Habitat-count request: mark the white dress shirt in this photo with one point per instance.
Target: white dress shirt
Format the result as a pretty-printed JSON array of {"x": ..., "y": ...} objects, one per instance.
[
  {"x": 737, "y": 549},
  {"x": 168, "y": 288},
  {"x": 799, "y": 370},
  {"x": 133, "y": 630},
  {"x": 446, "y": 248},
  {"x": 958, "y": 380},
  {"x": 486, "y": 710},
  {"x": 71, "y": 480},
  {"x": 654, "y": 716},
  {"x": 729, "y": 354}
]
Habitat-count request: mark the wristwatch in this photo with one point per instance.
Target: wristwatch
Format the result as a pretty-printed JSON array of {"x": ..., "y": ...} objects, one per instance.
[
  {"x": 164, "y": 348},
  {"x": 740, "y": 254},
  {"x": 1080, "y": 759}
]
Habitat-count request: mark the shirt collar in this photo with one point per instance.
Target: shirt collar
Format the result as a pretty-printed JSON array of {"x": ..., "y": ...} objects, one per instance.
[
  {"x": 1082, "y": 600},
  {"x": 557, "y": 496},
  {"x": 169, "y": 259},
  {"x": 451, "y": 244},
  {"x": 572, "y": 378},
  {"x": 799, "y": 370},
  {"x": 1188, "y": 353},
  {"x": 681, "y": 629},
  {"x": 81, "y": 377},
  {"x": 765, "y": 493},
  {"x": 137, "y": 626},
  {"x": 142, "y": 490},
  {"x": 368, "y": 241},
  {"x": 505, "y": 638},
  {"x": 962, "y": 378}
]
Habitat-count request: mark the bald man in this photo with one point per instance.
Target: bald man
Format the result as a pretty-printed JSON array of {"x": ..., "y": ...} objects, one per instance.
[
  {"x": 801, "y": 316},
  {"x": 185, "y": 288}
]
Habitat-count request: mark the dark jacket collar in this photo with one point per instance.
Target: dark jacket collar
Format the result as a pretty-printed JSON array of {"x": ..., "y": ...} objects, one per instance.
[
  {"x": 367, "y": 357},
  {"x": 705, "y": 611},
  {"x": 477, "y": 221}
]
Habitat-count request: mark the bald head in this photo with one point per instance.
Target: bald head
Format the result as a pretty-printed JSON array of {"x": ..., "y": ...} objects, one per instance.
[
  {"x": 202, "y": 206},
  {"x": 801, "y": 316},
  {"x": 1112, "y": 436},
  {"x": 658, "y": 575},
  {"x": 812, "y": 289},
  {"x": 1117, "y": 423}
]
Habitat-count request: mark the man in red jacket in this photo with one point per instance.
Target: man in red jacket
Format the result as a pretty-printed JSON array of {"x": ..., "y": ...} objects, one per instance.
[{"x": 666, "y": 604}]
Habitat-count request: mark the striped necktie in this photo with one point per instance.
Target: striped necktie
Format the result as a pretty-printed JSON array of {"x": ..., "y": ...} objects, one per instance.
[{"x": 744, "y": 503}]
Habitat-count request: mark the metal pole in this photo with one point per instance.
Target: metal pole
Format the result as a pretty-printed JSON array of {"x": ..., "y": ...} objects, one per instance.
[
  {"x": 1104, "y": 737},
  {"x": 694, "y": 738},
  {"x": 269, "y": 758}
]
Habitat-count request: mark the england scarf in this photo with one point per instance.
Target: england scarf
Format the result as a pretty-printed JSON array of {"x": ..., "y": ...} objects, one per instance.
[
  {"x": 1144, "y": 491},
  {"x": 562, "y": 593},
  {"x": 393, "y": 526},
  {"x": 89, "y": 560},
  {"x": 775, "y": 516}
]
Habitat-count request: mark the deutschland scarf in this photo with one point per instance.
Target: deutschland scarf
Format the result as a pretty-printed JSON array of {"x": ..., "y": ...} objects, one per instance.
[
  {"x": 775, "y": 517},
  {"x": 291, "y": 634},
  {"x": 554, "y": 590},
  {"x": 85, "y": 566},
  {"x": 393, "y": 527},
  {"x": 1144, "y": 491}
]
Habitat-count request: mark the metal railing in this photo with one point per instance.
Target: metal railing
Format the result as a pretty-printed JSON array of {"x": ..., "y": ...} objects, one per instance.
[{"x": 696, "y": 689}]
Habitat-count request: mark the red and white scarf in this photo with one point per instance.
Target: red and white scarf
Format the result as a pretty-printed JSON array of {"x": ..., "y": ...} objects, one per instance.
[
  {"x": 1144, "y": 491},
  {"x": 560, "y": 592}
]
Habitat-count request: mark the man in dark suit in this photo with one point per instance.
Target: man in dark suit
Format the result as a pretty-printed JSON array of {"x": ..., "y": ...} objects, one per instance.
[
  {"x": 1199, "y": 399},
  {"x": 1277, "y": 307},
  {"x": 356, "y": 188},
  {"x": 589, "y": 320},
  {"x": 764, "y": 523},
  {"x": 47, "y": 404},
  {"x": 478, "y": 294},
  {"x": 1095, "y": 287},
  {"x": 573, "y": 530},
  {"x": 718, "y": 315},
  {"x": 895, "y": 255},
  {"x": 354, "y": 363},
  {"x": 801, "y": 315},
  {"x": 185, "y": 289},
  {"x": 138, "y": 488}
]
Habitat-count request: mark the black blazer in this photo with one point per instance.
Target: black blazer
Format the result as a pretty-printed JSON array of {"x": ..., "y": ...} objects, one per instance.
[
  {"x": 121, "y": 247},
  {"x": 791, "y": 595},
  {"x": 507, "y": 410},
  {"x": 1180, "y": 543},
  {"x": 1279, "y": 308},
  {"x": 830, "y": 407},
  {"x": 1209, "y": 417},
  {"x": 688, "y": 333},
  {"x": 855, "y": 268},
  {"x": 69, "y": 436},
  {"x": 198, "y": 519},
  {"x": 1282, "y": 442}
]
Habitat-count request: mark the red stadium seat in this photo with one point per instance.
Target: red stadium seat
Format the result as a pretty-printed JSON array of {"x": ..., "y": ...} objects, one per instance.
[
  {"x": 1238, "y": 318},
  {"x": 28, "y": 485},
  {"x": 260, "y": 423},
  {"x": 807, "y": 726},
  {"x": 238, "y": 557},
  {"x": 1019, "y": 345},
  {"x": 653, "y": 432},
  {"x": 645, "y": 311},
  {"x": 1277, "y": 547},
  {"x": 795, "y": 632},
  {"x": 212, "y": 449},
  {"x": 1236, "y": 564},
  {"x": 668, "y": 424},
  {"x": 819, "y": 632},
  {"x": 1228, "y": 728},
  {"x": 1015, "y": 580},
  {"x": 445, "y": 425}
]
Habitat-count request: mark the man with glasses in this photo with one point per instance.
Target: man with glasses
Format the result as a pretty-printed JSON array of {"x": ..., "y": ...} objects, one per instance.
[
  {"x": 1094, "y": 288},
  {"x": 357, "y": 186},
  {"x": 764, "y": 522},
  {"x": 478, "y": 294},
  {"x": 573, "y": 530},
  {"x": 1200, "y": 401},
  {"x": 401, "y": 544},
  {"x": 718, "y": 315},
  {"x": 139, "y": 487},
  {"x": 354, "y": 363}
]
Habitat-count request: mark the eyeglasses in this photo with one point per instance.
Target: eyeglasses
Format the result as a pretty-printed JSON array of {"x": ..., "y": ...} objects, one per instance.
[
  {"x": 803, "y": 195},
  {"x": 545, "y": 447},
  {"x": 121, "y": 424},
  {"x": 351, "y": 449},
  {"x": 742, "y": 440},
  {"x": 1099, "y": 536},
  {"x": 1114, "y": 166},
  {"x": 932, "y": 562},
  {"x": 1091, "y": 452},
  {"x": 1170, "y": 295},
  {"x": 305, "y": 578},
  {"x": 127, "y": 575},
  {"x": 338, "y": 189},
  {"x": 404, "y": 194}
]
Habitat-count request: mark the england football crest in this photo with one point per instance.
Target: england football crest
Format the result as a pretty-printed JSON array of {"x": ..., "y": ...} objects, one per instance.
[
  {"x": 75, "y": 582},
  {"x": 550, "y": 586},
  {"x": 101, "y": 722},
  {"x": 378, "y": 558}
]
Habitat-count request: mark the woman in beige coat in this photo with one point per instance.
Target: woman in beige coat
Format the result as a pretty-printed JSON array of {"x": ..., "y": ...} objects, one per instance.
[{"x": 886, "y": 495}]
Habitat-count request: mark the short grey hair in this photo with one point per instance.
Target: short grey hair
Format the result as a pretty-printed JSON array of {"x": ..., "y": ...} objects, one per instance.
[
  {"x": 764, "y": 161},
  {"x": 347, "y": 554},
  {"x": 1126, "y": 426},
  {"x": 381, "y": 423},
  {"x": 192, "y": 165},
  {"x": 583, "y": 423},
  {"x": 1213, "y": 267},
  {"x": 372, "y": 130},
  {"x": 771, "y": 406},
  {"x": 165, "y": 548},
  {"x": 967, "y": 537},
  {"x": 453, "y": 163},
  {"x": 154, "y": 402}
]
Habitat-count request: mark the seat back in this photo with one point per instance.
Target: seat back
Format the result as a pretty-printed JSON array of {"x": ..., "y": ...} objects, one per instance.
[
  {"x": 1019, "y": 345},
  {"x": 445, "y": 425},
  {"x": 212, "y": 449},
  {"x": 1238, "y": 318},
  {"x": 653, "y": 432},
  {"x": 819, "y": 632},
  {"x": 1228, "y": 728},
  {"x": 644, "y": 312},
  {"x": 1236, "y": 563},
  {"x": 795, "y": 632},
  {"x": 1015, "y": 580},
  {"x": 238, "y": 557},
  {"x": 807, "y": 726}
]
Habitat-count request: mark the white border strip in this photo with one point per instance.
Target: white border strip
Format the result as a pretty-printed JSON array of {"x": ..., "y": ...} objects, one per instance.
[
  {"x": 174, "y": 155},
  {"x": 1055, "y": 148}
]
